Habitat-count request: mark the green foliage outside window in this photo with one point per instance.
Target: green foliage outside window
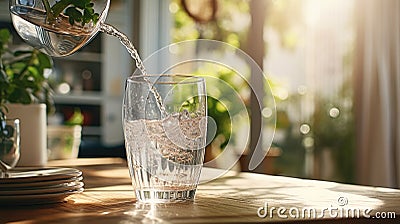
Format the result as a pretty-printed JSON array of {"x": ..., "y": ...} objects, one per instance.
[{"x": 326, "y": 131}]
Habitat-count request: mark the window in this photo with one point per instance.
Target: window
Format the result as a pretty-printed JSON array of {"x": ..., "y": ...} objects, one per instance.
[{"x": 307, "y": 48}]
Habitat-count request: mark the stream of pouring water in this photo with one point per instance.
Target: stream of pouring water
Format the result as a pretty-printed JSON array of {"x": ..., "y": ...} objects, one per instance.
[{"x": 111, "y": 30}]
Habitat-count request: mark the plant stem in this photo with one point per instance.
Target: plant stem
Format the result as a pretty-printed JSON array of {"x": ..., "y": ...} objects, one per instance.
[
  {"x": 49, "y": 12},
  {"x": 54, "y": 11}
]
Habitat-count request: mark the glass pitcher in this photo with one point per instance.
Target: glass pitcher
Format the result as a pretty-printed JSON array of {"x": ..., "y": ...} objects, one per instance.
[{"x": 58, "y": 28}]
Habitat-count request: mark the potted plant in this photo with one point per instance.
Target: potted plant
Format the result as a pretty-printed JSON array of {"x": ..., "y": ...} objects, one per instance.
[{"x": 24, "y": 91}]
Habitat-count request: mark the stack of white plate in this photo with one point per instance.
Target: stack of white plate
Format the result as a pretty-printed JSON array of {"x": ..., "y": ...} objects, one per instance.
[{"x": 39, "y": 185}]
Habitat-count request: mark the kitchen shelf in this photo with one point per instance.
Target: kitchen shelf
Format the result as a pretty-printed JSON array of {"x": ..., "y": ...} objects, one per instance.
[
  {"x": 91, "y": 130},
  {"x": 88, "y": 98},
  {"x": 85, "y": 56}
]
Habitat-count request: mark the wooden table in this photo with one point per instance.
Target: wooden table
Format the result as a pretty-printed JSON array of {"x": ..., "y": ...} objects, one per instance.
[{"x": 233, "y": 198}]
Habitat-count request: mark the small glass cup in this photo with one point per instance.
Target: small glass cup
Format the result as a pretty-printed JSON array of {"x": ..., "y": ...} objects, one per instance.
[
  {"x": 164, "y": 119},
  {"x": 9, "y": 145}
]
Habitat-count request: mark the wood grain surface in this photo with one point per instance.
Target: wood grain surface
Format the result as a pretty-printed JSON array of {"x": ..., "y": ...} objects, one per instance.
[{"x": 233, "y": 198}]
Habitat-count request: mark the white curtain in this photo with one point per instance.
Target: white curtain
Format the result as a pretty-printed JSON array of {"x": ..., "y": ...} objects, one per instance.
[{"x": 377, "y": 92}]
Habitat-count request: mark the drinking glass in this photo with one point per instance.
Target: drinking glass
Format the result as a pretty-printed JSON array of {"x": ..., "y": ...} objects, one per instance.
[
  {"x": 55, "y": 36},
  {"x": 9, "y": 145},
  {"x": 164, "y": 119}
]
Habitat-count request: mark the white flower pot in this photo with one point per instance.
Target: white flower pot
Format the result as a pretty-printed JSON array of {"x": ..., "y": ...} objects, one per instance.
[{"x": 33, "y": 133}]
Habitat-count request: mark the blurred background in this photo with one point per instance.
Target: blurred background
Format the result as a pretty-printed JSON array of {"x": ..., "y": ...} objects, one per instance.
[{"x": 333, "y": 67}]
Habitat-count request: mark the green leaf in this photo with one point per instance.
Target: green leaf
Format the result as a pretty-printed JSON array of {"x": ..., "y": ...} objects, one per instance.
[
  {"x": 5, "y": 37},
  {"x": 20, "y": 95},
  {"x": 89, "y": 11},
  {"x": 35, "y": 73},
  {"x": 74, "y": 15},
  {"x": 95, "y": 18},
  {"x": 18, "y": 64},
  {"x": 19, "y": 53},
  {"x": 44, "y": 60},
  {"x": 76, "y": 119},
  {"x": 86, "y": 17},
  {"x": 29, "y": 82},
  {"x": 80, "y": 3}
]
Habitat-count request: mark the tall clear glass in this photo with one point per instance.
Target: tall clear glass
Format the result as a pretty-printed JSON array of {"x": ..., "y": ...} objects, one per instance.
[
  {"x": 47, "y": 25},
  {"x": 164, "y": 119}
]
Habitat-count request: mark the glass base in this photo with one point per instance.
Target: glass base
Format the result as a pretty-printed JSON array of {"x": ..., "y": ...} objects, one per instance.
[{"x": 165, "y": 196}]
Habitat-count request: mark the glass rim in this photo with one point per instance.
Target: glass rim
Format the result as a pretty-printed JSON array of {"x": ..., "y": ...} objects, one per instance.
[
  {"x": 184, "y": 78},
  {"x": 15, "y": 120}
]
